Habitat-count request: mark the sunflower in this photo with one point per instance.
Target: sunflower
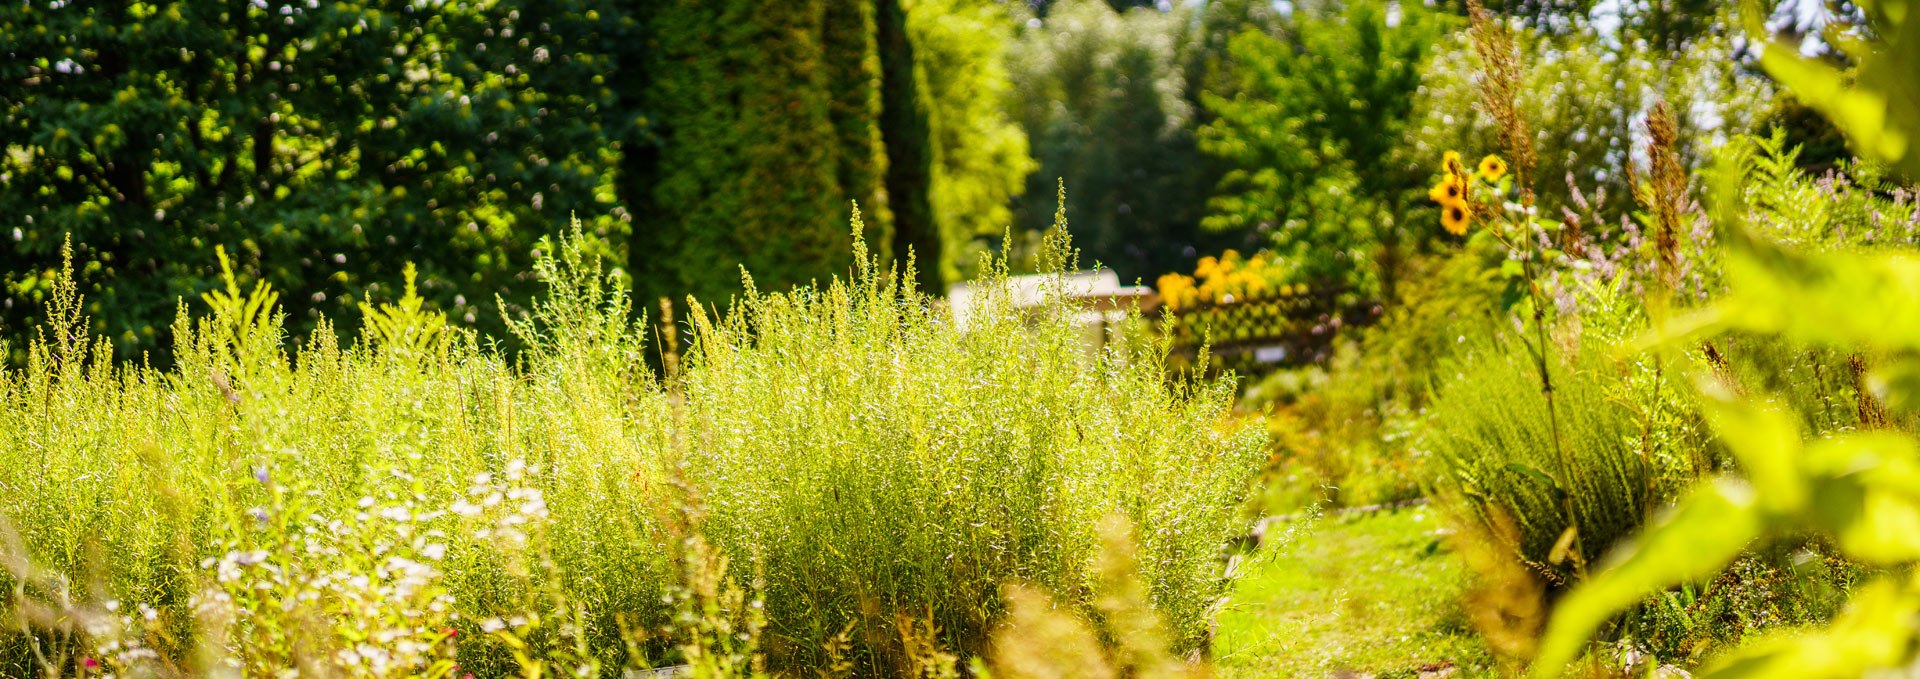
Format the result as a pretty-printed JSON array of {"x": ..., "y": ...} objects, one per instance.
[
  {"x": 1493, "y": 168},
  {"x": 1449, "y": 190},
  {"x": 1455, "y": 217},
  {"x": 1450, "y": 163}
]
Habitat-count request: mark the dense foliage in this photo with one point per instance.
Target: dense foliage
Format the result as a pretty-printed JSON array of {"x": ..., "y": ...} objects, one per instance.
[
  {"x": 1103, "y": 101},
  {"x": 324, "y": 145},
  {"x": 980, "y": 161},
  {"x": 1580, "y": 366},
  {"x": 1309, "y": 134},
  {"x": 767, "y": 126}
]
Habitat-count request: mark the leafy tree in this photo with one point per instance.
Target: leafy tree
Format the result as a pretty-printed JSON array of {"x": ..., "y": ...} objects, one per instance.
[
  {"x": 1211, "y": 67},
  {"x": 1309, "y": 135},
  {"x": 327, "y": 145},
  {"x": 324, "y": 144}
]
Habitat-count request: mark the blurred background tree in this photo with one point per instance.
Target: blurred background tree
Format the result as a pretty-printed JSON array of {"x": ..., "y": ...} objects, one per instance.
[
  {"x": 1103, "y": 98},
  {"x": 979, "y": 152},
  {"x": 326, "y": 144},
  {"x": 1309, "y": 135}
]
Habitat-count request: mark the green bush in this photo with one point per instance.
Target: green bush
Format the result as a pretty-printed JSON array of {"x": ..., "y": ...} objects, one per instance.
[
  {"x": 851, "y": 451},
  {"x": 914, "y": 466},
  {"x": 1497, "y": 442}
]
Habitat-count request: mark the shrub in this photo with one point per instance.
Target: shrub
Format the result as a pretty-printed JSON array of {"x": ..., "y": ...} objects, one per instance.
[
  {"x": 849, "y": 454},
  {"x": 1493, "y": 437},
  {"x": 884, "y": 460}
]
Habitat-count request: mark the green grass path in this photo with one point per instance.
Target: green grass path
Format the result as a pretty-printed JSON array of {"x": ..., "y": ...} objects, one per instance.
[{"x": 1371, "y": 595}]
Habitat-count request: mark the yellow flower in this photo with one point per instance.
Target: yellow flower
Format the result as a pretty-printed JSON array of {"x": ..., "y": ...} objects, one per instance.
[
  {"x": 1205, "y": 268},
  {"x": 1177, "y": 290},
  {"x": 1450, "y": 163},
  {"x": 1493, "y": 168},
  {"x": 1449, "y": 190},
  {"x": 1455, "y": 217}
]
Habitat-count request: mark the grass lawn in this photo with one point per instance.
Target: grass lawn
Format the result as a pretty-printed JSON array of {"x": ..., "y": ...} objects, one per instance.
[{"x": 1372, "y": 595}]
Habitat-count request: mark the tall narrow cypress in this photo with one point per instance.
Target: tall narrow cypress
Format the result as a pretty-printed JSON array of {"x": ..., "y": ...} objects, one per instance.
[
  {"x": 763, "y": 121},
  {"x": 854, "y": 77},
  {"x": 904, "y": 125}
]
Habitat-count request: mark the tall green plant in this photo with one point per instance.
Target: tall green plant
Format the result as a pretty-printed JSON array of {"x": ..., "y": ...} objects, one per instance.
[
  {"x": 899, "y": 497},
  {"x": 1489, "y": 432}
]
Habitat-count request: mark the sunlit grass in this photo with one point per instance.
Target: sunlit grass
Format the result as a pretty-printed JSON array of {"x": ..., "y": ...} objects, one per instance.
[{"x": 1371, "y": 595}]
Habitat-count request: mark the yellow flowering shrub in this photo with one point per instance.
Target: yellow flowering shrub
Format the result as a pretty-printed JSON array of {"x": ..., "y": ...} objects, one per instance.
[
  {"x": 1249, "y": 310},
  {"x": 1228, "y": 278}
]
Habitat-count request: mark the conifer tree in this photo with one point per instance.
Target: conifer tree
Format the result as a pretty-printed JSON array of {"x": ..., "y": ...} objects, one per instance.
[{"x": 764, "y": 129}]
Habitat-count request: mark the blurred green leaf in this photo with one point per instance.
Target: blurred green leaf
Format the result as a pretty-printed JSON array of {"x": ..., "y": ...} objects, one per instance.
[
  {"x": 1897, "y": 383},
  {"x": 1869, "y": 495},
  {"x": 1884, "y": 528},
  {"x": 1880, "y": 110},
  {"x": 1765, "y": 440},
  {"x": 1831, "y": 299},
  {"x": 1705, "y": 531}
]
